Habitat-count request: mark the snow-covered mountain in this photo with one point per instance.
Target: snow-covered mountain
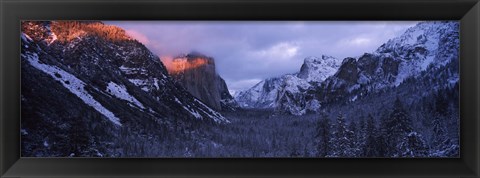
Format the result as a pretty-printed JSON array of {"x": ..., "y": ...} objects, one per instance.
[
  {"x": 317, "y": 69},
  {"x": 426, "y": 47},
  {"x": 277, "y": 92},
  {"x": 75, "y": 73},
  {"x": 261, "y": 95},
  {"x": 122, "y": 62},
  {"x": 432, "y": 43},
  {"x": 197, "y": 74}
]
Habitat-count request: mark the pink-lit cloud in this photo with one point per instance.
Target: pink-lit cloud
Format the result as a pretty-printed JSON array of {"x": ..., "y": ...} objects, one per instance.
[{"x": 138, "y": 36}]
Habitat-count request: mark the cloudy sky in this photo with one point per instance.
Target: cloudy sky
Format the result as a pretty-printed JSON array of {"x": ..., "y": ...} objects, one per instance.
[{"x": 246, "y": 52}]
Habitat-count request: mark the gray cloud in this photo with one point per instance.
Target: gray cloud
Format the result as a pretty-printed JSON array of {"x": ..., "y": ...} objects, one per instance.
[{"x": 248, "y": 51}]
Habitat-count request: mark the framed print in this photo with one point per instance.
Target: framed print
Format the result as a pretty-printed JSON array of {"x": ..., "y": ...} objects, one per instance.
[{"x": 250, "y": 88}]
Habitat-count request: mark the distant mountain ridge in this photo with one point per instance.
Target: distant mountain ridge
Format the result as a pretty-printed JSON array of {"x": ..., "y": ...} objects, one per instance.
[
  {"x": 277, "y": 92},
  {"x": 426, "y": 46}
]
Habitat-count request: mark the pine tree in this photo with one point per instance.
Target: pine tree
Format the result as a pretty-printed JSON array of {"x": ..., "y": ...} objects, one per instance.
[
  {"x": 340, "y": 142},
  {"x": 442, "y": 145},
  {"x": 361, "y": 137},
  {"x": 438, "y": 133},
  {"x": 397, "y": 126},
  {"x": 370, "y": 148},
  {"x": 381, "y": 146},
  {"x": 354, "y": 137},
  {"x": 323, "y": 137},
  {"x": 441, "y": 103},
  {"x": 295, "y": 151},
  {"x": 413, "y": 145},
  {"x": 79, "y": 137},
  {"x": 442, "y": 142}
]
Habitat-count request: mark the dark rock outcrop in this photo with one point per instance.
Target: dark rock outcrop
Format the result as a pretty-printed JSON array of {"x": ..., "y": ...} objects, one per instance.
[{"x": 197, "y": 74}]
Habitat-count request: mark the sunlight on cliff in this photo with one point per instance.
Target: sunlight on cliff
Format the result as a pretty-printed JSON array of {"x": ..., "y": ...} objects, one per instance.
[
  {"x": 66, "y": 31},
  {"x": 178, "y": 65}
]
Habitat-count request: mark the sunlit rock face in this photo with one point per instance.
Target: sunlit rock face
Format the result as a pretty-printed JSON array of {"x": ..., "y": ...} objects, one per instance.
[{"x": 196, "y": 73}]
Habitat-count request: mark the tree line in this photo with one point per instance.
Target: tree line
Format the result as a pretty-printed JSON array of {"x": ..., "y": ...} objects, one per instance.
[{"x": 392, "y": 135}]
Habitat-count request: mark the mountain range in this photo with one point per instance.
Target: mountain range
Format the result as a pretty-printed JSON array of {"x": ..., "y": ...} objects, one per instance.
[
  {"x": 426, "y": 47},
  {"x": 88, "y": 89},
  {"x": 288, "y": 91}
]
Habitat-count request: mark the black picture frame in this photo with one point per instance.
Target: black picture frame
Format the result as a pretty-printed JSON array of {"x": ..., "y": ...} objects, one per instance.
[{"x": 13, "y": 11}]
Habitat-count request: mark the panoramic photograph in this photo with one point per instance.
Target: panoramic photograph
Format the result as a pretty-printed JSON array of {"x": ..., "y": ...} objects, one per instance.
[{"x": 240, "y": 89}]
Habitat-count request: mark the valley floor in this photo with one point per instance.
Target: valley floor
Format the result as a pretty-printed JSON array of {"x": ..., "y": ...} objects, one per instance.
[{"x": 263, "y": 133}]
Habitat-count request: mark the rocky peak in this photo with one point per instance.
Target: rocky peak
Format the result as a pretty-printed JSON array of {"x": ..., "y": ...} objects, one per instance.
[
  {"x": 424, "y": 38},
  {"x": 317, "y": 69},
  {"x": 280, "y": 92},
  {"x": 196, "y": 72},
  {"x": 324, "y": 59},
  {"x": 427, "y": 43},
  {"x": 192, "y": 61}
]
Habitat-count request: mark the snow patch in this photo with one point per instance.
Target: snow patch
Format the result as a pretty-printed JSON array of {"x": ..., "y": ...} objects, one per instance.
[
  {"x": 23, "y": 132},
  {"x": 139, "y": 82},
  {"x": 354, "y": 98},
  {"x": 362, "y": 79},
  {"x": 155, "y": 83},
  {"x": 191, "y": 111},
  {"x": 217, "y": 117},
  {"x": 425, "y": 63},
  {"x": 129, "y": 70},
  {"x": 26, "y": 38},
  {"x": 121, "y": 92},
  {"x": 147, "y": 84},
  {"x": 72, "y": 83},
  {"x": 313, "y": 105}
]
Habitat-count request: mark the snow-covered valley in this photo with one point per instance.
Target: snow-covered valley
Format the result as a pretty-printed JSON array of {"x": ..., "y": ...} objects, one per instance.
[{"x": 90, "y": 90}]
